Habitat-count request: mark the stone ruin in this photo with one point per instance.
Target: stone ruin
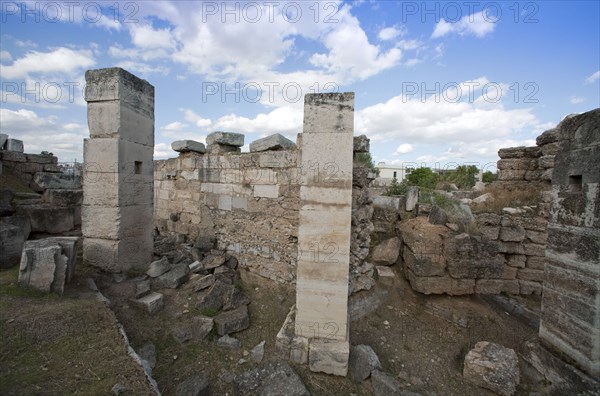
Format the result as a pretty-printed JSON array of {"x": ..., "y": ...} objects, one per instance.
[{"x": 303, "y": 213}]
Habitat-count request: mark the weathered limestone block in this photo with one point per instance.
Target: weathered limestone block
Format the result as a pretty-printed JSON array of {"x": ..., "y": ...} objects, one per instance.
[
  {"x": 14, "y": 145},
  {"x": 383, "y": 202},
  {"x": 412, "y": 197},
  {"x": 387, "y": 252},
  {"x": 549, "y": 136},
  {"x": 441, "y": 284},
  {"x": 48, "y": 219},
  {"x": 272, "y": 142},
  {"x": 225, "y": 138},
  {"x": 493, "y": 367},
  {"x": 183, "y": 146},
  {"x": 514, "y": 233},
  {"x": 152, "y": 302},
  {"x": 363, "y": 360},
  {"x": 47, "y": 264},
  {"x": 518, "y": 164},
  {"x": 328, "y": 356},
  {"x": 473, "y": 257},
  {"x": 519, "y": 152},
  {"x": 232, "y": 321},
  {"x": 497, "y": 286}
]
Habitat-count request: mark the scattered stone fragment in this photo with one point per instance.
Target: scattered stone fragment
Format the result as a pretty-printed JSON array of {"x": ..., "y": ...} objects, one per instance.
[
  {"x": 152, "y": 302},
  {"x": 118, "y": 389},
  {"x": 205, "y": 244},
  {"x": 148, "y": 355},
  {"x": 213, "y": 298},
  {"x": 258, "y": 352},
  {"x": 483, "y": 198},
  {"x": 330, "y": 357},
  {"x": 213, "y": 261},
  {"x": 195, "y": 267},
  {"x": 182, "y": 333},
  {"x": 183, "y": 146},
  {"x": 194, "y": 386},
  {"x": 384, "y": 384},
  {"x": 41, "y": 263},
  {"x": 513, "y": 210},
  {"x": 232, "y": 321},
  {"x": 384, "y": 272},
  {"x": 412, "y": 197},
  {"x": 363, "y": 360},
  {"x": 142, "y": 289},
  {"x": 361, "y": 144},
  {"x": 202, "y": 326},
  {"x": 273, "y": 379},
  {"x": 493, "y": 367},
  {"x": 437, "y": 215},
  {"x": 14, "y": 145},
  {"x": 175, "y": 277},
  {"x": 272, "y": 142},
  {"x": 229, "y": 342},
  {"x": 234, "y": 298},
  {"x": 158, "y": 267},
  {"x": 203, "y": 282}
]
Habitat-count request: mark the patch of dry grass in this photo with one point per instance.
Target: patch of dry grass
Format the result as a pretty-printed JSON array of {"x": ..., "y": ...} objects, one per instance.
[{"x": 506, "y": 197}]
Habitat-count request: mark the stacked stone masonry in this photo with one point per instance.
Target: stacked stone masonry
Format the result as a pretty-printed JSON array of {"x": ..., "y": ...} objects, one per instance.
[
  {"x": 117, "y": 212},
  {"x": 570, "y": 319}
]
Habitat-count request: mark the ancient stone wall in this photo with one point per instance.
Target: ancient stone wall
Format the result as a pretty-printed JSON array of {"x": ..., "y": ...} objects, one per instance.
[
  {"x": 249, "y": 201},
  {"x": 570, "y": 319}
]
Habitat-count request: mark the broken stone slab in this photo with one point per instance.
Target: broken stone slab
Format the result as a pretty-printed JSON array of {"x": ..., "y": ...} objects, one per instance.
[
  {"x": 225, "y": 138},
  {"x": 479, "y": 186},
  {"x": 182, "y": 333},
  {"x": 152, "y": 302},
  {"x": 195, "y": 267},
  {"x": 328, "y": 356},
  {"x": 483, "y": 198},
  {"x": 202, "y": 326},
  {"x": 437, "y": 216},
  {"x": 361, "y": 144},
  {"x": 384, "y": 384},
  {"x": 299, "y": 350},
  {"x": 46, "y": 180},
  {"x": 258, "y": 352},
  {"x": 173, "y": 278},
  {"x": 142, "y": 289},
  {"x": 273, "y": 379},
  {"x": 384, "y": 202},
  {"x": 12, "y": 239},
  {"x": 213, "y": 261},
  {"x": 228, "y": 342},
  {"x": 412, "y": 197},
  {"x": 363, "y": 360},
  {"x": 205, "y": 243},
  {"x": 272, "y": 142},
  {"x": 158, "y": 267},
  {"x": 203, "y": 282},
  {"x": 513, "y": 211},
  {"x": 493, "y": 367},
  {"x": 386, "y": 253},
  {"x": 384, "y": 272},
  {"x": 184, "y": 146},
  {"x": 196, "y": 385},
  {"x": 234, "y": 298},
  {"x": 15, "y": 145},
  {"x": 213, "y": 298},
  {"x": 41, "y": 264},
  {"x": 70, "y": 246},
  {"x": 232, "y": 321}
]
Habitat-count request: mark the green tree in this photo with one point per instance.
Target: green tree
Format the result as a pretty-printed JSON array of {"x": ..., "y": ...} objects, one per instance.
[
  {"x": 367, "y": 160},
  {"x": 395, "y": 188},
  {"x": 422, "y": 177},
  {"x": 464, "y": 176},
  {"x": 488, "y": 177}
]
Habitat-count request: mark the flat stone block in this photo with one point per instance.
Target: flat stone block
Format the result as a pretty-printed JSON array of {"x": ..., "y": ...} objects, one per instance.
[
  {"x": 266, "y": 191},
  {"x": 225, "y": 138},
  {"x": 14, "y": 145},
  {"x": 118, "y": 255},
  {"x": 116, "y": 222},
  {"x": 272, "y": 142},
  {"x": 41, "y": 264},
  {"x": 330, "y": 357},
  {"x": 116, "y": 119},
  {"x": 152, "y": 302},
  {"x": 225, "y": 202},
  {"x": 183, "y": 146},
  {"x": 232, "y": 321}
]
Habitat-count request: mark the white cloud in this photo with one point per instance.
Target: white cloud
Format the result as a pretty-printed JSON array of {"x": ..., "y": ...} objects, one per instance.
[
  {"x": 390, "y": 33},
  {"x": 163, "y": 151},
  {"x": 191, "y": 116},
  {"x": 25, "y": 43},
  {"x": 593, "y": 78},
  {"x": 60, "y": 60},
  {"x": 143, "y": 68},
  {"x": 45, "y": 133},
  {"x": 174, "y": 126},
  {"x": 286, "y": 120},
  {"x": 477, "y": 24},
  {"x": 5, "y": 56},
  {"x": 146, "y": 37},
  {"x": 404, "y": 148},
  {"x": 576, "y": 100}
]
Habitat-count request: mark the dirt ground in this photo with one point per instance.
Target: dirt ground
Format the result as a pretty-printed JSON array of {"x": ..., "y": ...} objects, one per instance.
[{"x": 421, "y": 340}]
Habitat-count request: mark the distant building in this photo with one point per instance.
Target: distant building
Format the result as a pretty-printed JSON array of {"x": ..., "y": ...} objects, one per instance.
[{"x": 388, "y": 172}]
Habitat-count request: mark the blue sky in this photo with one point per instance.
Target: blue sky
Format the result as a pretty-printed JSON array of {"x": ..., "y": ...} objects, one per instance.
[{"x": 437, "y": 83}]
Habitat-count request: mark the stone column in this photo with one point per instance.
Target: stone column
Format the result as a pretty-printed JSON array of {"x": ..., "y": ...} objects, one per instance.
[
  {"x": 570, "y": 320},
  {"x": 324, "y": 230},
  {"x": 118, "y": 171}
]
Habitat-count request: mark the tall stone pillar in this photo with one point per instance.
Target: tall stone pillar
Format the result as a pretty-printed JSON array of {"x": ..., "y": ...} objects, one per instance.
[
  {"x": 324, "y": 230},
  {"x": 118, "y": 170},
  {"x": 570, "y": 320}
]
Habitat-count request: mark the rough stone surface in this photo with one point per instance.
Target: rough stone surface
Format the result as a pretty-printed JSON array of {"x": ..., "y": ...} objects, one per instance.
[
  {"x": 183, "y": 146},
  {"x": 202, "y": 326},
  {"x": 152, "y": 302},
  {"x": 361, "y": 144},
  {"x": 41, "y": 264},
  {"x": 363, "y": 360},
  {"x": 174, "y": 278},
  {"x": 493, "y": 367},
  {"x": 270, "y": 380},
  {"x": 258, "y": 352},
  {"x": 384, "y": 384},
  {"x": 228, "y": 342},
  {"x": 12, "y": 239},
  {"x": 272, "y": 142},
  {"x": 196, "y": 385},
  {"x": 412, "y": 197},
  {"x": 387, "y": 252},
  {"x": 14, "y": 145},
  {"x": 232, "y": 321},
  {"x": 330, "y": 357},
  {"x": 158, "y": 267},
  {"x": 437, "y": 215},
  {"x": 226, "y": 138}
]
